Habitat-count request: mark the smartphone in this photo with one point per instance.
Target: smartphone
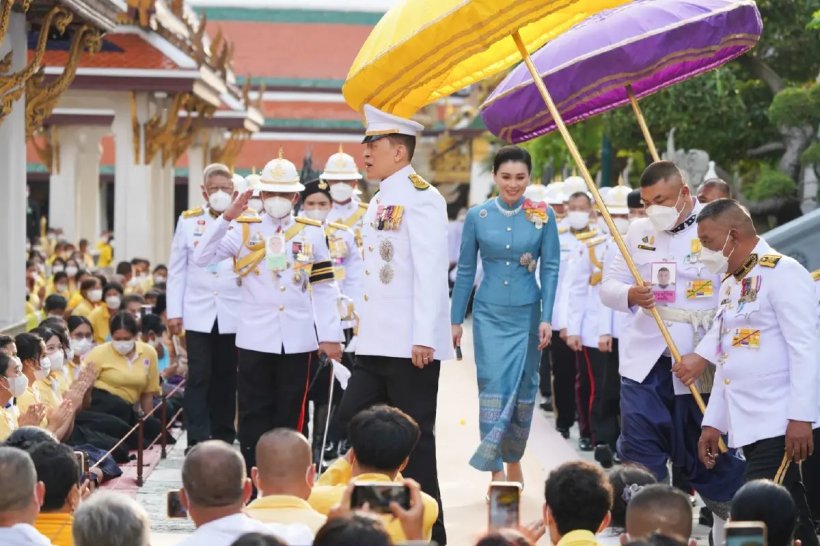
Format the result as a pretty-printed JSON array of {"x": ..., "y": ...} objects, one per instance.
[
  {"x": 174, "y": 507},
  {"x": 745, "y": 533},
  {"x": 146, "y": 310},
  {"x": 504, "y": 506},
  {"x": 82, "y": 465},
  {"x": 379, "y": 495},
  {"x": 458, "y": 352}
]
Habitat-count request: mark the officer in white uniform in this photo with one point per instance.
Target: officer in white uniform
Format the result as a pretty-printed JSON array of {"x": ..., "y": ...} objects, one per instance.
[
  {"x": 289, "y": 297},
  {"x": 204, "y": 301},
  {"x": 342, "y": 177},
  {"x": 404, "y": 331},
  {"x": 659, "y": 417},
  {"x": 764, "y": 342}
]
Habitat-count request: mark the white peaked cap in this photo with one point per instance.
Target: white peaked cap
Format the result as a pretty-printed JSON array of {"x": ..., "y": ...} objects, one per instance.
[{"x": 379, "y": 124}]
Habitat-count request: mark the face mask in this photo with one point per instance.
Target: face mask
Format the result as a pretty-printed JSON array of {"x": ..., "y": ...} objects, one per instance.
[
  {"x": 45, "y": 369},
  {"x": 341, "y": 192},
  {"x": 278, "y": 207},
  {"x": 622, "y": 224},
  {"x": 255, "y": 203},
  {"x": 57, "y": 269},
  {"x": 317, "y": 214},
  {"x": 69, "y": 354},
  {"x": 714, "y": 260},
  {"x": 17, "y": 385},
  {"x": 578, "y": 219},
  {"x": 71, "y": 270},
  {"x": 663, "y": 217},
  {"x": 123, "y": 347},
  {"x": 61, "y": 287},
  {"x": 219, "y": 201},
  {"x": 57, "y": 360},
  {"x": 113, "y": 302},
  {"x": 81, "y": 346},
  {"x": 159, "y": 279},
  {"x": 95, "y": 295}
]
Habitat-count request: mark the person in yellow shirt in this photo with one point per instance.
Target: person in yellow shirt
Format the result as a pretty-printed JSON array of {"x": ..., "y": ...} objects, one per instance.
[
  {"x": 57, "y": 469},
  {"x": 83, "y": 256},
  {"x": 105, "y": 247},
  {"x": 381, "y": 439},
  {"x": 58, "y": 381},
  {"x": 81, "y": 340},
  {"x": 88, "y": 298},
  {"x": 14, "y": 383},
  {"x": 284, "y": 475},
  {"x": 101, "y": 316},
  {"x": 59, "y": 284},
  {"x": 127, "y": 375}
]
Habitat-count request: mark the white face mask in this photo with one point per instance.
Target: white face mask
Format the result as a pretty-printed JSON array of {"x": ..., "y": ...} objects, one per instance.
[
  {"x": 81, "y": 346},
  {"x": 663, "y": 217},
  {"x": 255, "y": 203},
  {"x": 622, "y": 224},
  {"x": 113, "y": 302},
  {"x": 578, "y": 219},
  {"x": 45, "y": 369},
  {"x": 714, "y": 260},
  {"x": 71, "y": 270},
  {"x": 159, "y": 279},
  {"x": 278, "y": 207},
  {"x": 317, "y": 214},
  {"x": 69, "y": 353},
  {"x": 123, "y": 347},
  {"x": 61, "y": 287},
  {"x": 57, "y": 269},
  {"x": 219, "y": 201},
  {"x": 17, "y": 385},
  {"x": 341, "y": 192},
  {"x": 57, "y": 360},
  {"x": 95, "y": 295}
]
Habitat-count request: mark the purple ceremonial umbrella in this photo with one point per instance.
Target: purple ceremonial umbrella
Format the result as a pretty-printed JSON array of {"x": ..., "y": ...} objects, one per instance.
[{"x": 645, "y": 45}]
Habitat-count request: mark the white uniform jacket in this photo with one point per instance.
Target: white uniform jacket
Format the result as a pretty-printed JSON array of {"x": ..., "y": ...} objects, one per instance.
[
  {"x": 559, "y": 309},
  {"x": 279, "y": 309},
  {"x": 611, "y": 322},
  {"x": 200, "y": 295},
  {"x": 406, "y": 292},
  {"x": 695, "y": 289},
  {"x": 584, "y": 283},
  {"x": 350, "y": 214},
  {"x": 764, "y": 343},
  {"x": 348, "y": 264}
]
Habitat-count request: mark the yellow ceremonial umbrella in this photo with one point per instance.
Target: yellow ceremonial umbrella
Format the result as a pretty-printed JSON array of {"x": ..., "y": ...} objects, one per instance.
[{"x": 424, "y": 50}]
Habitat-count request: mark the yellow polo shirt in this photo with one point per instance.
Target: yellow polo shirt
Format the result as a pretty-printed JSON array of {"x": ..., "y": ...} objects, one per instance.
[
  {"x": 127, "y": 379},
  {"x": 8, "y": 420},
  {"x": 100, "y": 321},
  {"x": 80, "y": 307},
  {"x": 285, "y": 509},
  {"x": 578, "y": 538},
  {"x": 28, "y": 398},
  {"x": 56, "y": 528},
  {"x": 62, "y": 379},
  {"x": 324, "y": 497}
]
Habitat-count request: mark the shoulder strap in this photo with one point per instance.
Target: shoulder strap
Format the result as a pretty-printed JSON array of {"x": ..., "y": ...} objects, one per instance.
[
  {"x": 356, "y": 216},
  {"x": 770, "y": 260},
  {"x": 191, "y": 213},
  {"x": 815, "y": 274}
]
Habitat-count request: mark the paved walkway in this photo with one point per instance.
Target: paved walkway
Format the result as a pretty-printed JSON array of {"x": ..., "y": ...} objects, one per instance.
[{"x": 463, "y": 488}]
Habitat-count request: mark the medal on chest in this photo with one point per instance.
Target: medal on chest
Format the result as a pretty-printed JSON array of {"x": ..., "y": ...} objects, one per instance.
[
  {"x": 338, "y": 248},
  {"x": 386, "y": 252},
  {"x": 747, "y": 300},
  {"x": 388, "y": 218}
]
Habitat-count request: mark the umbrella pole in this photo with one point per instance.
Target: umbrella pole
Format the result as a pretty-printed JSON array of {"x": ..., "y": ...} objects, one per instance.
[
  {"x": 642, "y": 124},
  {"x": 613, "y": 230}
]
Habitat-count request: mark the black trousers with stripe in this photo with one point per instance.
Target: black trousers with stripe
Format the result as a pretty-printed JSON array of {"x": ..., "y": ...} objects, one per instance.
[
  {"x": 605, "y": 411},
  {"x": 562, "y": 361}
]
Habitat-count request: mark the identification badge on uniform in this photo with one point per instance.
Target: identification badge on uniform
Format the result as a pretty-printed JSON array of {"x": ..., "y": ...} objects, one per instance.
[
  {"x": 338, "y": 248},
  {"x": 746, "y": 337},
  {"x": 276, "y": 258},
  {"x": 302, "y": 252},
  {"x": 700, "y": 288},
  {"x": 647, "y": 243},
  {"x": 664, "y": 276},
  {"x": 389, "y": 218},
  {"x": 693, "y": 258}
]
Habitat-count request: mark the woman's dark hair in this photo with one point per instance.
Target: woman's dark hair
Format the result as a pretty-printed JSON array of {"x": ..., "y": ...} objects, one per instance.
[
  {"x": 74, "y": 322},
  {"x": 26, "y": 438},
  {"x": 257, "y": 539},
  {"x": 59, "y": 328},
  {"x": 29, "y": 346},
  {"x": 5, "y": 361},
  {"x": 60, "y": 276},
  {"x": 356, "y": 530},
  {"x": 88, "y": 284},
  {"x": 503, "y": 537},
  {"x": 152, "y": 323},
  {"x": 764, "y": 500},
  {"x": 626, "y": 480},
  {"x": 124, "y": 321},
  {"x": 79, "y": 274},
  {"x": 57, "y": 261},
  {"x": 44, "y": 332},
  {"x": 512, "y": 153},
  {"x": 100, "y": 277},
  {"x": 113, "y": 286},
  {"x": 161, "y": 304}
]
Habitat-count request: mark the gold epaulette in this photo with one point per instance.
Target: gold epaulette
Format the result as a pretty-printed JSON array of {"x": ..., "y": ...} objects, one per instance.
[
  {"x": 418, "y": 182},
  {"x": 815, "y": 274},
  {"x": 769, "y": 260},
  {"x": 596, "y": 241},
  {"x": 583, "y": 236},
  {"x": 562, "y": 230},
  {"x": 337, "y": 226},
  {"x": 247, "y": 219},
  {"x": 309, "y": 221},
  {"x": 193, "y": 213}
]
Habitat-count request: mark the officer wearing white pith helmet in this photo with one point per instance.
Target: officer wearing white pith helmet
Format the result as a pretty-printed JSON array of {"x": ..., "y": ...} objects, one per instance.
[
  {"x": 204, "y": 301},
  {"x": 255, "y": 202},
  {"x": 289, "y": 296},
  {"x": 341, "y": 176}
]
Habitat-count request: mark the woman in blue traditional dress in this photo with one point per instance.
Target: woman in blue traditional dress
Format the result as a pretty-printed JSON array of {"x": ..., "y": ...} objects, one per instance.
[{"x": 517, "y": 240}]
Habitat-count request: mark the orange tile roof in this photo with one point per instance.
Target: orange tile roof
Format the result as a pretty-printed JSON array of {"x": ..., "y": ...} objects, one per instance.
[
  {"x": 257, "y": 153},
  {"x": 309, "y": 110},
  {"x": 133, "y": 52},
  {"x": 270, "y": 49}
]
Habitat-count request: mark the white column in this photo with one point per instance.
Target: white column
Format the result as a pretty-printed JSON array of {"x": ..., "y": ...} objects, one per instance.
[
  {"x": 13, "y": 186},
  {"x": 162, "y": 210},
  {"x": 62, "y": 208},
  {"x": 481, "y": 179},
  {"x": 88, "y": 184},
  {"x": 196, "y": 164}
]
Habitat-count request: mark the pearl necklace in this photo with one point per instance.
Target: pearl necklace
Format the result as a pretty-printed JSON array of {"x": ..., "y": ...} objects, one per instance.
[{"x": 505, "y": 212}]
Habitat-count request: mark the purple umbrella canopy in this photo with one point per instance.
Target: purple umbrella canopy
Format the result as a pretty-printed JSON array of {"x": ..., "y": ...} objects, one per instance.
[{"x": 648, "y": 44}]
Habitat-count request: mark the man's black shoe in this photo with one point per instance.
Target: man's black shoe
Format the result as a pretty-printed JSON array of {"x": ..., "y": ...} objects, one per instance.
[
  {"x": 585, "y": 444},
  {"x": 603, "y": 454},
  {"x": 564, "y": 432}
]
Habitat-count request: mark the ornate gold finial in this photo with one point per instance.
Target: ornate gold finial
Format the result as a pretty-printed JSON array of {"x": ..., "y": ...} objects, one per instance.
[
  {"x": 620, "y": 180},
  {"x": 341, "y": 150},
  {"x": 253, "y": 170},
  {"x": 281, "y": 152}
]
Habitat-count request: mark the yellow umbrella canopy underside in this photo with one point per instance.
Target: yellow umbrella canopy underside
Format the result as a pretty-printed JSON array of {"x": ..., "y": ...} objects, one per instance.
[{"x": 423, "y": 50}]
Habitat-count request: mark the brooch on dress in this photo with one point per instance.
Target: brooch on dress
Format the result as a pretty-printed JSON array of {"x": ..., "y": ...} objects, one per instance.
[
  {"x": 536, "y": 213},
  {"x": 527, "y": 261}
]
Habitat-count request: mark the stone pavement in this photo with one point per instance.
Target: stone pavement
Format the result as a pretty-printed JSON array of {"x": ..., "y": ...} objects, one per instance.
[{"x": 463, "y": 488}]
